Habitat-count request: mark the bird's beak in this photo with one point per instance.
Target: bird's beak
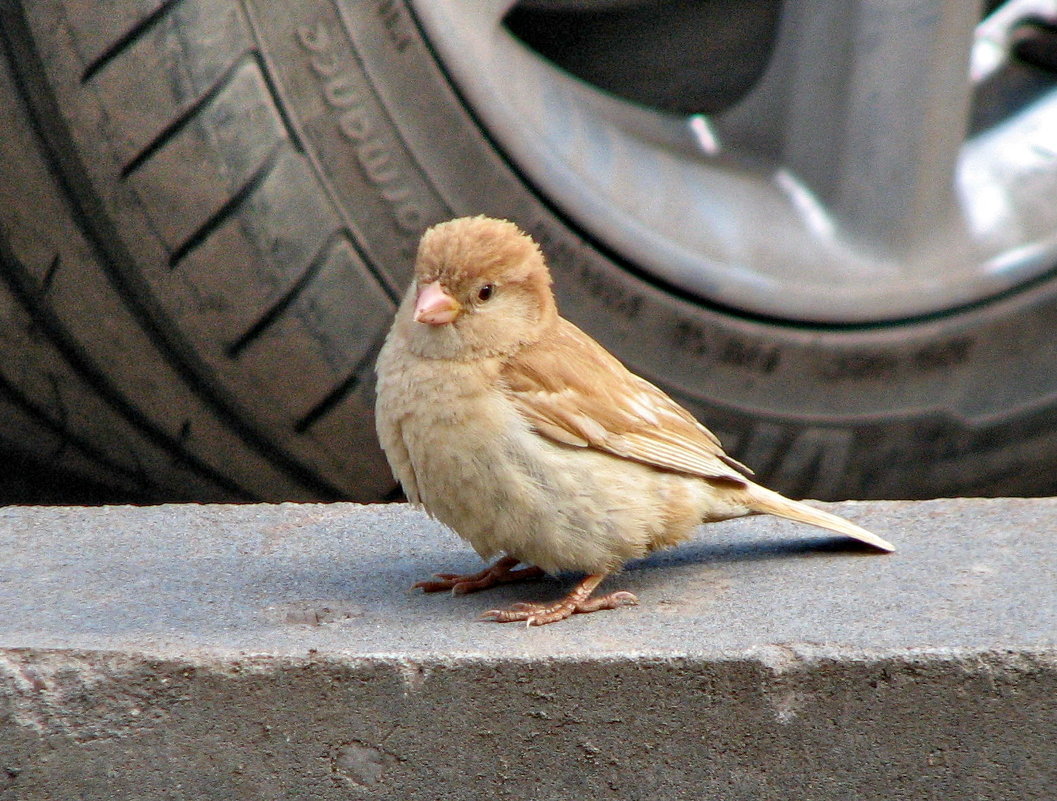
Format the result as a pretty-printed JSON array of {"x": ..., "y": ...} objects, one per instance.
[{"x": 435, "y": 306}]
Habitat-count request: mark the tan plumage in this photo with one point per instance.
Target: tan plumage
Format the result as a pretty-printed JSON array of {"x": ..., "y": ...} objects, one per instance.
[
  {"x": 573, "y": 390},
  {"x": 516, "y": 429}
]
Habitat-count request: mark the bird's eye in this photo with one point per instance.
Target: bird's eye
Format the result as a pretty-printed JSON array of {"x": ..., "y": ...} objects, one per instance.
[{"x": 485, "y": 292}]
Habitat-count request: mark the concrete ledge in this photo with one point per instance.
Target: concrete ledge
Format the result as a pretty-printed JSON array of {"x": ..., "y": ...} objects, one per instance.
[{"x": 258, "y": 652}]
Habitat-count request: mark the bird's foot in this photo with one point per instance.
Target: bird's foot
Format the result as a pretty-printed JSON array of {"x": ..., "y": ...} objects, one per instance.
[
  {"x": 576, "y": 602},
  {"x": 501, "y": 572}
]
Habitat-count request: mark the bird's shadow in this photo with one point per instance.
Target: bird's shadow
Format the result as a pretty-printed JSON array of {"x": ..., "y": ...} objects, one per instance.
[
  {"x": 753, "y": 550},
  {"x": 383, "y": 586},
  {"x": 653, "y": 568}
]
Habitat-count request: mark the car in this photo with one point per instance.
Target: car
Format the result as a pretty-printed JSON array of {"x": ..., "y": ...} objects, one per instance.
[{"x": 827, "y": 228}]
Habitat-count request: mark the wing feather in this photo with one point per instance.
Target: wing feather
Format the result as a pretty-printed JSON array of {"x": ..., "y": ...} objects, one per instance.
[{"x": 573, "y": 391}]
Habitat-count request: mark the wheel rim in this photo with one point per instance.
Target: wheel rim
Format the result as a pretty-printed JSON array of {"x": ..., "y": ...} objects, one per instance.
[{"x": 842, "y": 187}]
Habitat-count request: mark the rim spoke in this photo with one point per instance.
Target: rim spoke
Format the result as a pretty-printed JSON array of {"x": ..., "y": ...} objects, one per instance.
[
  {"x": 486, "y": 13},
  {"x": 581, "y": 5},
  {"x": 868, "y": 105},
  {"x": 844, "y": 187}
]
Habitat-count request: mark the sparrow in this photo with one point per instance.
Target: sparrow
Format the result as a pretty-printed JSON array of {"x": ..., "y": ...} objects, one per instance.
[{"x": 525, "y": 436}]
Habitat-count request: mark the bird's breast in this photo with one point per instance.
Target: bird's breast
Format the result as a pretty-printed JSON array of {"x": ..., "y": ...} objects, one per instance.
[
  {"x": 482, "y": 470},
  {"x": 451, "y": 423}
]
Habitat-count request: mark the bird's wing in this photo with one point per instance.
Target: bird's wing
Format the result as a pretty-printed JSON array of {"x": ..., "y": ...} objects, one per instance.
[{"x": 571, "y": 390}]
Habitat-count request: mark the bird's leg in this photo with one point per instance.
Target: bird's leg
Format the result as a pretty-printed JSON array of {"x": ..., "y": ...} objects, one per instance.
[
  {"x": 579, "y": 600},
  {"x": 501, "y": 572}
]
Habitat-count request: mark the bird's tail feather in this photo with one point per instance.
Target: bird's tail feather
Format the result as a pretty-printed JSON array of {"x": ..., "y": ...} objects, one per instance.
[{"x": 769, "y": 502}]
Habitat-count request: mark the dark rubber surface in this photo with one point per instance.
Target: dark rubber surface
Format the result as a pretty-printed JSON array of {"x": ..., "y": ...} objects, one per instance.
[{"x": 208, "y": 211}]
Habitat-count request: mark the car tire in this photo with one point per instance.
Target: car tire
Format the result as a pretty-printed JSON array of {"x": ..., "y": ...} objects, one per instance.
[{"x": 208, "y": 211}]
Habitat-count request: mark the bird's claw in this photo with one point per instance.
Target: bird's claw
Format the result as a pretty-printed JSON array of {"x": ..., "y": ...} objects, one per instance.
[
  {"x": 501, "y": 572},
  {"x": 536, "y": 614},
  {"x": 623, "y": 598}
]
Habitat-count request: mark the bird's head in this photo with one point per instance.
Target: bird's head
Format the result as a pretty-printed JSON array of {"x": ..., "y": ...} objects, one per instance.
[{"x": 481, "y": 288}]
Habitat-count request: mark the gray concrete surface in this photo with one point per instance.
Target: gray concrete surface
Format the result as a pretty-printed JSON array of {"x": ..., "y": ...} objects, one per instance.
[{"x": 267, "y": 652}]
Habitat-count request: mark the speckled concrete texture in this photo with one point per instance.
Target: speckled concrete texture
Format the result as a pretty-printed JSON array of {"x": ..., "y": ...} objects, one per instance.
[{"x": 257, "y": 652}]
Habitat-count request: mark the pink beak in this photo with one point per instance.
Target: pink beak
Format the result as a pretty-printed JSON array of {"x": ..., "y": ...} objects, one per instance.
[{"x": 435, "y": 306}]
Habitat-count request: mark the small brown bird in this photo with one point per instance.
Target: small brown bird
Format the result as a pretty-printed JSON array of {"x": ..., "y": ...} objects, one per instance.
[{"x": 513, "y": 427}]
